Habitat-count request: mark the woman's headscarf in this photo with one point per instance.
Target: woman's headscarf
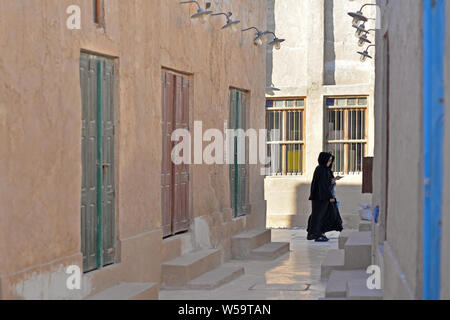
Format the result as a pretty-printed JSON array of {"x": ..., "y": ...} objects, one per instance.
[
  {"x": 324, "y": 157},
  {"x": 321, "y": 184}
]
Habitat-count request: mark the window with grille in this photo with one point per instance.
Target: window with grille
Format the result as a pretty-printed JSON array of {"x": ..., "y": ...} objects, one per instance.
[
  {"x": 285, "y": 127},
  {"x": 346, "y": 132}
]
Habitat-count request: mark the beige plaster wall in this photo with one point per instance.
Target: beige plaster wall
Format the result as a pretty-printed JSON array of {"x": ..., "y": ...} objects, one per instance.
[
  {"x": 380, "y": 119},
  {"x": 401, "y": 253},
  {"x": 342, "y": 65},
  {"x": 287, "y": 68},
  {"x": 405, "y": 177},
  {"x": 40, "y": 143},
  {"x": 402, "y": 257}
]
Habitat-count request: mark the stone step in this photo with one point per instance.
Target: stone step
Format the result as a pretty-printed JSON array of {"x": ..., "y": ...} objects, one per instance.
[
  {"x": 351, "y": 221},
  {"x": 332, "y": 299},
  {"x": 129, "y": 291},
  {"x": 337, "y": 283},
  {"x": 216, "y": 278},
  {"x": 358, "y": 251},
  {"x": 343, "y": 237},
  {"x": 270, "y": 251},
  {"x": 178, "y": 272},
  {"x": 357, "y": 290},
  {"x": 243, "y": 244},
  {"x": 335, "y": 260},
  {"x": 365, "y": 226},
  {"x": 174, "y": 247}
]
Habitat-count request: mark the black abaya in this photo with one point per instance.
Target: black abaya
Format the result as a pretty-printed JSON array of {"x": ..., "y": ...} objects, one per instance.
[{"x": 325, "y": 215}]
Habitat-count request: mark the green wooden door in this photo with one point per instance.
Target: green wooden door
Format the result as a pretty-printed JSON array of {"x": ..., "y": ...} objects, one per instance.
[
  {"x": 98, "y": 188},
  {"x": 238, "y": 169}
]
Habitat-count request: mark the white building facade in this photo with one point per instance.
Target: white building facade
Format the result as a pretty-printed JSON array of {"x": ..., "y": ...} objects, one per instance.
[{"x": 321, "y": 98}]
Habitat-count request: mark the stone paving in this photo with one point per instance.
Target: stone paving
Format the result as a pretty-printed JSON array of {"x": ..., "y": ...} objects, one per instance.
[{"x": 293, "y": 276}]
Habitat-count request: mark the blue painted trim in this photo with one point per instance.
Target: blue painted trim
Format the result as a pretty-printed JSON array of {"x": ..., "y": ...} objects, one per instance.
[{"x": 433, "y": 121}]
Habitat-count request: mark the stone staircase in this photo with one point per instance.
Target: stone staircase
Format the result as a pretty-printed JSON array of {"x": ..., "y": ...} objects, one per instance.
[
  {"x": 257, "y": 245},
  {"x": 198, "y": 270},
  {"x": 185, "y": 269},
  {"x": 129, "y": 291},
  {"x": 203, "y": 269},
  {"x": 345, "y": 268}
]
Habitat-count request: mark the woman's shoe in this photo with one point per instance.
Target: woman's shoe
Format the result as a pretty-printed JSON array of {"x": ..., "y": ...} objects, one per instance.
[{"x": 322, "y": 239}]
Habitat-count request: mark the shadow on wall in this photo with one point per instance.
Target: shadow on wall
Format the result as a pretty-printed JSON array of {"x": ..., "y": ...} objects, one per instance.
[
  {"x": 288, "y": 202},
  {"x": 329, "y": 49},
  {"x": 270, "y": 87}
]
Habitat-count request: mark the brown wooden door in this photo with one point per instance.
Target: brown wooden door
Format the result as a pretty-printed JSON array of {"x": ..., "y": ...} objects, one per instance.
[
  {"x": 166, "y": 167},
  {"x": 174, "y": 178}
]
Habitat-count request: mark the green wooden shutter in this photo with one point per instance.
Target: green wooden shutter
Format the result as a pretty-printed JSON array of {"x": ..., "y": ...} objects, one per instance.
[
  {"x": 97, "y": 193},
  {"x": 238, "y": 172},
  {"x": 88, "y": 74},
  {"x": 242, "y": 195},
  {"x": 108, "y": 192},
  {"x": 233, "y": 171}
]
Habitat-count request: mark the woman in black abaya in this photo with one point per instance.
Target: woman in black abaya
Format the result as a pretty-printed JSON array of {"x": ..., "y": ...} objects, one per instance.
[{"x": 325, "y": 215}]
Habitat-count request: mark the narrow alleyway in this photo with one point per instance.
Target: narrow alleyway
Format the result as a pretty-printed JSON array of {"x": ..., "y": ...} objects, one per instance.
[{"x": 293, "y": 276}]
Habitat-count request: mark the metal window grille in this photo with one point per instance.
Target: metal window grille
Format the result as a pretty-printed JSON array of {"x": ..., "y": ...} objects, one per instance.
[
  {"x": 346, "y": 132},
  {"x": 285, "y": 127}
]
